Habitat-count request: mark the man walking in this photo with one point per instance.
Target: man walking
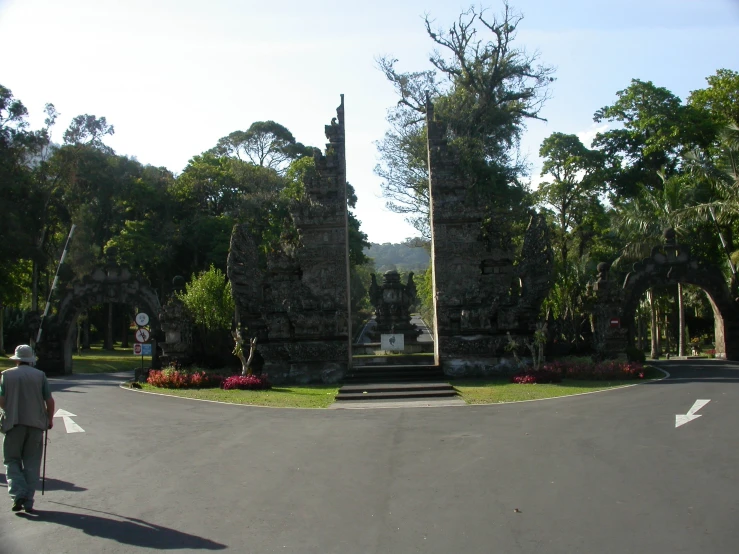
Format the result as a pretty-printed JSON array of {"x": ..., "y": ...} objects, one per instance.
[{"x": 27, "y": 411}]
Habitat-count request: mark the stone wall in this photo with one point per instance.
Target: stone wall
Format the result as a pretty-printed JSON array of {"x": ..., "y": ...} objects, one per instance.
[
  {"x": 298, "y": 306},
  {"x": 616, "y": 297},
  {"x": 480, "y": 292},
  {"x": 105, "y": 284}
]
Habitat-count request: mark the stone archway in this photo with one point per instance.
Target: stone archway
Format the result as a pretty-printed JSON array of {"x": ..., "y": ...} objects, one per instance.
[
  {"x": 668, "y": 264},
  {"x": 104, "y": 284}
]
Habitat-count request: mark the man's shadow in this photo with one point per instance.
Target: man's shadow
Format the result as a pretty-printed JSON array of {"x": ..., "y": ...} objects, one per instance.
[
  {"x": 51, "y": 485},
  {"x": 135, "y": 532}
]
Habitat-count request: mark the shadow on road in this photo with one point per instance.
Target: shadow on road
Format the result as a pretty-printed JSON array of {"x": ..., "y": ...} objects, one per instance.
[
  {"x": 706, "y": 371},
  {"x": 126, "y": 530},
  {"x": 51, "y": 485}
]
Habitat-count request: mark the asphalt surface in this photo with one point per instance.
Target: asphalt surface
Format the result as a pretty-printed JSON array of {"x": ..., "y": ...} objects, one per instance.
[{"x": 600, "y": 473}]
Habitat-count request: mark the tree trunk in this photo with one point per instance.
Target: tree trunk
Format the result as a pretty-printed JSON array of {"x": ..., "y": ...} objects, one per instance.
[
  {"x": 2, "y": 330},
  {"x": 681, "y": 326},
  {"x": 79, "y": 336},
  {"x": 109, "y": 328},
  {"x": 86, "y": 333},
  {"x": 640, "y": 331},
  {"x": 34, "y": 295},
  {"x": 655, "y": 328},
  {"x": 124, "y": 329}
]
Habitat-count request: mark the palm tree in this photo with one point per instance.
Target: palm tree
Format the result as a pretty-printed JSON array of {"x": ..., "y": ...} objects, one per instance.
[
  {"x": 720, "y": 171},
  {"x": 643, "y": 220}
]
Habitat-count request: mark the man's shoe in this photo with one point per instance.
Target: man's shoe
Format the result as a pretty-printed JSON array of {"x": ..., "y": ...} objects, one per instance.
[
  {"x": 29, "y": 510},
  {"x": 18, "y": 504}
]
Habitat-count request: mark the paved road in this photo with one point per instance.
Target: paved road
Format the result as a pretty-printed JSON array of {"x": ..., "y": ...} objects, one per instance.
[{"x": 600, "y": 473}]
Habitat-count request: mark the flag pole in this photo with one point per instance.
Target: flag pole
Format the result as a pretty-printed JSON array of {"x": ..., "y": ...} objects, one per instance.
[{"x": 56, "y": 280}]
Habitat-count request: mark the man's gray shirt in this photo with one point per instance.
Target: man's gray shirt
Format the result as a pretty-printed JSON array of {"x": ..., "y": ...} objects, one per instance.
[{"x": 25, "y": 390}]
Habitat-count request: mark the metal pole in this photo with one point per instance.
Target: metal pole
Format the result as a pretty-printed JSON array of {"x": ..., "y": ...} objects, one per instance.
[
  {"x": 56, "y": 280},
  {"x": 43, "y": 479}
]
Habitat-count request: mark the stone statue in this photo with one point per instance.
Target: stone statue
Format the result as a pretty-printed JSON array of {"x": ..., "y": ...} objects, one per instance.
[{"x": 392, "y": 302}]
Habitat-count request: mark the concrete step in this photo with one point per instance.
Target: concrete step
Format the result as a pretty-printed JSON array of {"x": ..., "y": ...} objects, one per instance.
[
  {"x": 399, "y": 367},
  {"x": 395, "y": 387},
  {"x": 393, "y": 360},
  {"x": 398, "y": 377},
  {"x": 397, "y": 394}
]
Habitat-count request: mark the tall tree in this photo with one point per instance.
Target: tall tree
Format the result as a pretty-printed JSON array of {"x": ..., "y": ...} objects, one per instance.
[
  {"x": 485, "y": 89},
  {"x": 656, "y": 129},
  {"x": 574, "y": 186},
  {"x": 264, "y": 143},
  {"x": 720, "y": 98}
]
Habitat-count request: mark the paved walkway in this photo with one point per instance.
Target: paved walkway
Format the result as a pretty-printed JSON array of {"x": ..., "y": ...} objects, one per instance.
[{"x": 606, "y": 473}]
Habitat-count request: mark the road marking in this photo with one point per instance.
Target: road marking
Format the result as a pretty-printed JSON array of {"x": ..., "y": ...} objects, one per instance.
[
  {"x": 69, "y": 424},
  {"x": 691, "y": 415}
]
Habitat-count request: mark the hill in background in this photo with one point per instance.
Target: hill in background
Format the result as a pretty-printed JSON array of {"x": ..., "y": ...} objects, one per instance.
[{"x": 401, "y": 257}]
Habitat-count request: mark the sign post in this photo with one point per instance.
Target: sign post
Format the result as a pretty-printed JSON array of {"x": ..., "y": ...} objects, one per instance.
[{"x": 141, "y": 348}]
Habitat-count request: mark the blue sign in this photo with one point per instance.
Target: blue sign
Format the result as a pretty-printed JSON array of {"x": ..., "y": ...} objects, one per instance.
[{"x": 146, "y": 349}]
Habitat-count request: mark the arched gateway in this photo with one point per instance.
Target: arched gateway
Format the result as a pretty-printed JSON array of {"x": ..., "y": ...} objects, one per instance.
[
  {"x": 669, "y": 264},
  {"x": 105, "y": 284}
]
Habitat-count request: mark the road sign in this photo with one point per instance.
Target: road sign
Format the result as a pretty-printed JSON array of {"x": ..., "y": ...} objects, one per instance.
[
  {"x": 137, "y": 349},
  {"x": 142, "y": 335},
  {"x": 146, "y": 349},
  {"x": 142, "y": 319},
  {"x": 615, "y": 323}
]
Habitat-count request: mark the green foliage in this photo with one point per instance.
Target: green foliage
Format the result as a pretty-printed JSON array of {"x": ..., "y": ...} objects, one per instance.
[
  {"x": 720, "y": 98},
  {"x": 573, "y": 193},
  {"x": 265, "y": 143},
  {"x": 207, "y": 297},
  {"x": 656, "y": 129},
  {"x": 488, "y": 89},
  {"x": 425, "y": 293},
  {"x": 634, "y": 354}
]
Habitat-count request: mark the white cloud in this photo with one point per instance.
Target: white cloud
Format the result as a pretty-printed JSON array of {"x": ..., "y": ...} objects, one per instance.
[{"x": 588, "y": 134}]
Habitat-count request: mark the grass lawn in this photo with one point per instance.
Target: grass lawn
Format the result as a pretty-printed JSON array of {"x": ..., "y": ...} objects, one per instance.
[
  {"x": 97, "y": 360},
  {"x": 493, "y": 391},
  {"x": 313, "y": 396}
]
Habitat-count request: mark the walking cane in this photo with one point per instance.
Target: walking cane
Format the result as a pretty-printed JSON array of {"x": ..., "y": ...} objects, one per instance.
[{"x": 43, "y": 478}]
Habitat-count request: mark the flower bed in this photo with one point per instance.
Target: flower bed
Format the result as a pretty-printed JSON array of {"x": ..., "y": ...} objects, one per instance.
[
  {"x": 184, "y": 379},
  {"x": 247, "y": 382},
  {"x": 554, "y": 372},
  {"x": 172, "y": 378}
]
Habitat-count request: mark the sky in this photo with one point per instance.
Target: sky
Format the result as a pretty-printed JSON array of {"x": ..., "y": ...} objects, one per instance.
[{"x": 174, "y": 76}]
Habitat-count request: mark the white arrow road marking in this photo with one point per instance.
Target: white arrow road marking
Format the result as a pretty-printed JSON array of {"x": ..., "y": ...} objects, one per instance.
[
  {"x": 691, "y": 415},
  {"x": 69, "y": 424}
]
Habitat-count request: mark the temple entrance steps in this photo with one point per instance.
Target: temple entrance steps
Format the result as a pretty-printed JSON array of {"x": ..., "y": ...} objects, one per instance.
[
  {"x": 395, "y": 391},
  {"x": 384, "y": 381},
  {"x": 395, "y": 373}
]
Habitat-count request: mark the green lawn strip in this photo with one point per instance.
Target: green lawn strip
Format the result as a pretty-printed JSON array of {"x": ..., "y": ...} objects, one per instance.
[
  {"x": 494, "y": 391},
  {"x": 315, "y": 396},
  {"x": 97, "y": 360}
]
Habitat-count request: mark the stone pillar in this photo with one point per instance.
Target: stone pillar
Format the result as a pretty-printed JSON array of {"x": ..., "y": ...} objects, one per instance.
[
  {"x": 479, "y": 294},
  {"x": 298, "y": 306}
]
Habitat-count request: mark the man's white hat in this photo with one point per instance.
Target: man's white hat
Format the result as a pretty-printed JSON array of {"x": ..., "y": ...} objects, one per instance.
[{"x": 24, "y": 353}]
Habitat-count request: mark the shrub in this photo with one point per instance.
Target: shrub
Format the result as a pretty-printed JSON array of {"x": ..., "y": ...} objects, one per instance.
[
  {"x": 554, "y": 372},
  {"x": 634, "y": 354},
  {"x": 711, "y": 352},
  {"x": 533, "y": 376},
  {"x": 172, "y": 378},
  {"x": 247, "y": 382}
]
